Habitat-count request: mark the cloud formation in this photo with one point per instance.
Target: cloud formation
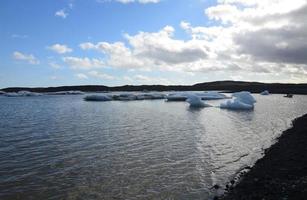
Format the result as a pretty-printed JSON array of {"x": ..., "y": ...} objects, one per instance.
[
  {"x": 83, "y": 63},
  {"x": 61, "y": 13},
  {"x": 60, "y": 48},
  {"x": 25, "y": 57}
]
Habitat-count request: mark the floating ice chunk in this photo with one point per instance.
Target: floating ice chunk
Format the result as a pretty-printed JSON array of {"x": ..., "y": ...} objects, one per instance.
[
  {"x": 1, "y": 92},
  {"x": 11, "y": 94},
  {"x": 27, "y": 93},
  {"x": 195, "y": 101},
  {"x": 245, "y": 97},
  {"x": 236, "y": 104},
  {"x": 176, "y": 97},
  {"x": 243, "y": 101},
  {"x": 212, "y": 95},
  {"x": 97, "y": 98},
  {"x": 149, "y": 96},
  {"x": 125, "y": 97},
  {"x": 71, "y": 92},
  {"x": 265, "y": 92},
  {"x": 22, "y": 94}
]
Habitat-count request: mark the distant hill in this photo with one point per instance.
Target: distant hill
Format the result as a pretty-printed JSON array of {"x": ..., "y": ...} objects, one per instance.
[{"x": 227, "y": 86}]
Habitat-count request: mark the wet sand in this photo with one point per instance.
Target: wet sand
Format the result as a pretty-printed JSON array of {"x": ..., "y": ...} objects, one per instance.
[{"x": 282, "y": 173}]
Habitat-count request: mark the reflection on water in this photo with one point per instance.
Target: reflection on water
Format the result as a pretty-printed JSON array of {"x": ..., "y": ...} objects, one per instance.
[{"x": 61, "y": 147}]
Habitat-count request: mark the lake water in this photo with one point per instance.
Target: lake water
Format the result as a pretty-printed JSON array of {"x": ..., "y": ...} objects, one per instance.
[{"x": 61, "y": 147}]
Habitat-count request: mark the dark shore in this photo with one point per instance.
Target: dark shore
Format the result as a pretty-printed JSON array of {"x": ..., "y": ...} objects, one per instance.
[
  {"x": 226, "y": 86},
  {"x": 282, "y": 173}
]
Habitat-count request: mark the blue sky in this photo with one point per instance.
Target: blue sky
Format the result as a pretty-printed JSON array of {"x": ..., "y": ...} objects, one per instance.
[{"x": 162, "y": 42}]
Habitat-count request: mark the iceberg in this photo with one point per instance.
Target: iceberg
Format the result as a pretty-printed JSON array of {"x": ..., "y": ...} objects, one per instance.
[
  {"x": 212, "y": 95},
  {"x": 22, "y": 93},
  {"x": 236, "y": 105},
  {"x": 243, "y": 101},
  {"x": 245, "y": 97},
  {"x": 149, "y": 96},
  {"x": 125, "y": 97},
  {"x": 176, "y": 97},
  {"x": 97, "y": 98},
  {"x": 1, "y": 92},
  {"x": 195, "y": 101},
  {"x": 265, "y": 92},
  {"x": 71, "y": 92}
]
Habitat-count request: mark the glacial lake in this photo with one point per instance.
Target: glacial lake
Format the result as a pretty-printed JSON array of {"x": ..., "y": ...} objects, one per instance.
[{"x": 62, "y": 147}]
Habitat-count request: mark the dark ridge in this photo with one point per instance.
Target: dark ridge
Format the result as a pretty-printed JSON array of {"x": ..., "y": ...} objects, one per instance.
[
  {"x": 227, "y": 86},
  {"x": 281, "y": 173}
]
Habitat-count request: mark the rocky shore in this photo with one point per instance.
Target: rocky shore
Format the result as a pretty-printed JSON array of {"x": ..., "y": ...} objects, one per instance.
[{"x": 282, "y": 173}]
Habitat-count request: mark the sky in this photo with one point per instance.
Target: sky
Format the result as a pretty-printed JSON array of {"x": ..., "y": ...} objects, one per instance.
[{"x": 119, "y": 42}]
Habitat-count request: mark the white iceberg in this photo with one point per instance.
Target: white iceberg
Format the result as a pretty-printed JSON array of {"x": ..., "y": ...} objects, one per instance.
[
  {"x": 243, "y": 101},
  {"x": 22, "y": 93},
  {"x": 265, "y": 92},
  {"x": 236, "y": 104},
  {"x": 125, "y": 97},
  {"x": 245, "y": 97},
  {"x": 97, "y": 98},
  {"x": 176, "y": 97},
  {"x": 195, "y": 101},
  {"x": 212, "y": 95},
  {"x": 71, "y": 92}
]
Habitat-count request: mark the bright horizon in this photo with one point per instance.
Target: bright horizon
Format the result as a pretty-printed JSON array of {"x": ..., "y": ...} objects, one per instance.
[{"x": 168, "y": 42}]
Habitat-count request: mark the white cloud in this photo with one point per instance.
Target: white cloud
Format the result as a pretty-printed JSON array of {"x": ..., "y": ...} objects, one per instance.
[
  {"x": 253, "y": 39},
  {"x": 150, "y": 50},
  {"x": 60, "y": 48},
  {"x": 100, "y": 75},
  {"x": 83, "y": 63},
  {"x": 61, "y": 13},
  {"x": 81, "y": 76},
  {"x": 54, "y": 65},
  {"x": 25, "y": 57}
]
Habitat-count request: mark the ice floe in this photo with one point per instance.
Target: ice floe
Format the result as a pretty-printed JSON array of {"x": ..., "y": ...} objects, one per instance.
[
  {"x": 176, "y": 97},
  {"x": 195, "y": 101},
  {"x": 212, "y": 95},
  {"x": 265, "y": 92},
  {"x": 242, "y": 101},
  {"x": 71, "y": 92},
  {"x": 95, "y": 97},
  {"x": 22, "y": 94}
]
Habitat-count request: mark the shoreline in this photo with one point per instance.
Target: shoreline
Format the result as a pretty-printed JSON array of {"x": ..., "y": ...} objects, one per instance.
[
  {"x": 226, "y": 86},
  {"x": 281, "y": 173}
]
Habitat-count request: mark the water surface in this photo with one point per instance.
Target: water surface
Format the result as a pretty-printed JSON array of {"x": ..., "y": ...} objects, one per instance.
[{"x": 61, "y": 147}]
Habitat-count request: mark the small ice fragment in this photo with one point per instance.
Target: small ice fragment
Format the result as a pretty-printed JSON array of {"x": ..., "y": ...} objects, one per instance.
[{"x": 265, "y": 92}]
